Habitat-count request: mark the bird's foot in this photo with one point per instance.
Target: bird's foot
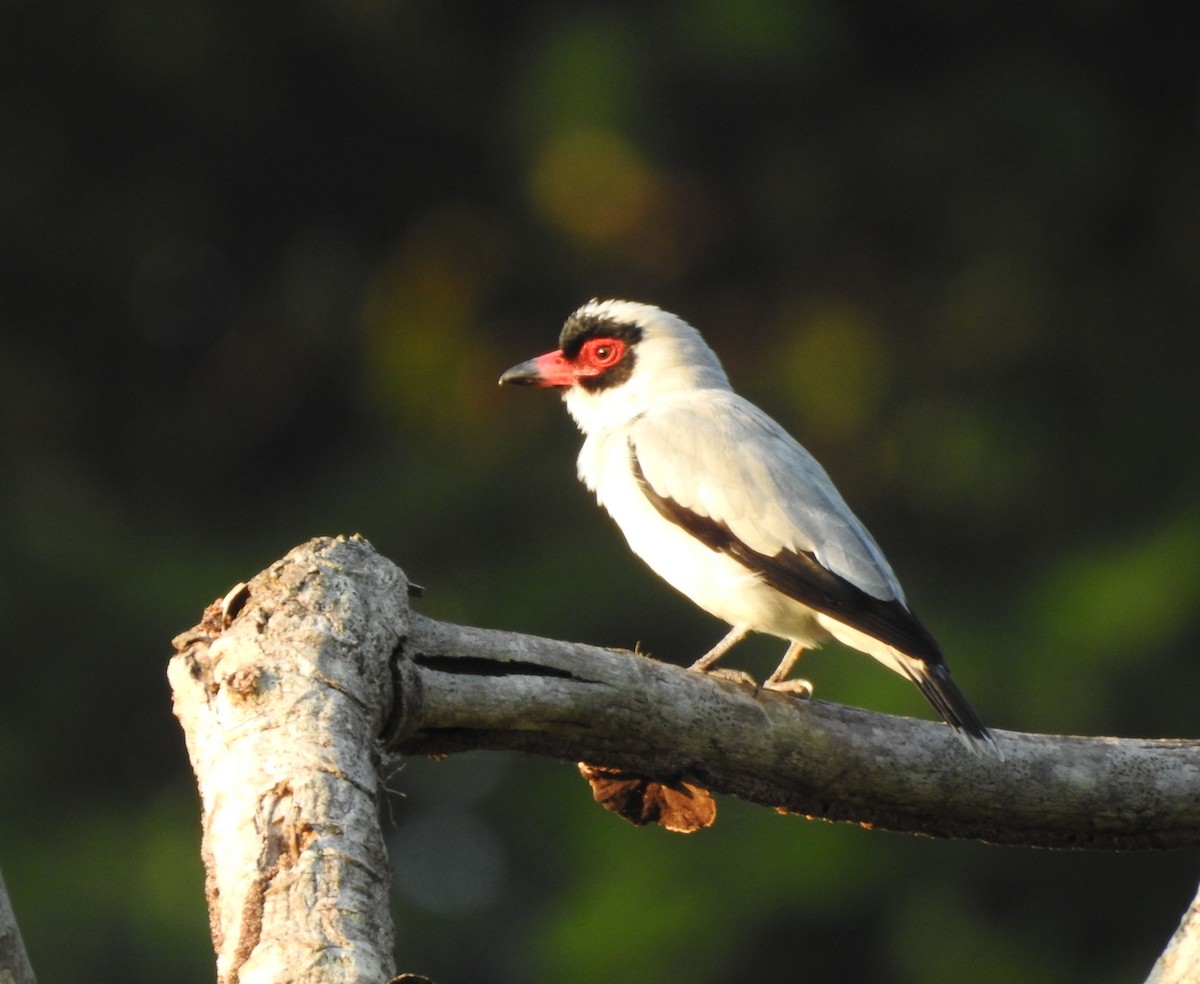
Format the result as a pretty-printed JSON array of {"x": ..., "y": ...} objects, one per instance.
[
  {"x": 801, "y": 688},
  {"x": 777, "y": 681},
  {"x": 740, "y": 677}
]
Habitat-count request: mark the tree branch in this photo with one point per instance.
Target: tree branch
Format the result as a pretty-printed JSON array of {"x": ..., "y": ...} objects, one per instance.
[
  {"x": 14, "y": 963},
  {"x": 478, "y": 688},
  {"x": 282, "y": 691},
  {"x": 1180, "y": 961},
  {"x": 286, "y": 687}
]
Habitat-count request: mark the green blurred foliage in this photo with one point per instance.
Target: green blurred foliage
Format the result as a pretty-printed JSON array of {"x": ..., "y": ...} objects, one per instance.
[{"x": 262, "y": 266}]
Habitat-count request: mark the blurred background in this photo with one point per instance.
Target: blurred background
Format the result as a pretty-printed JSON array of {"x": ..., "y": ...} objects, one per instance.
[{"x": 261, "y": 266}]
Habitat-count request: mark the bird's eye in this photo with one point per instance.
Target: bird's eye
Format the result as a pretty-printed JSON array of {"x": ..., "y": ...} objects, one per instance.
[{"x": 605, "y": 352}]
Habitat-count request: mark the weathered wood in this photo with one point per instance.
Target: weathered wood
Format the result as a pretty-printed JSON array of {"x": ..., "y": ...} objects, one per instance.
[
  {"x": 294, "y": 686},
  {"x": 1180, "y": 961},
  {"x": 14, "y": 962},
  {"x": 282, "y": 691},
  {"x": 479, "y": 688}
]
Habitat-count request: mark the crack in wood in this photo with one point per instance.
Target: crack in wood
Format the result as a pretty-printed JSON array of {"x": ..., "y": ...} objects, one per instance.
[{"x": 476, "y": 666}]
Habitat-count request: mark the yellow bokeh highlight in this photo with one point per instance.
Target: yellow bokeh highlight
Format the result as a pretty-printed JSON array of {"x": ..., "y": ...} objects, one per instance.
[
  {"x": 835, "y": 367},
  {"x": 424, "y": 356},
  {"x": 592, "y": 184}
]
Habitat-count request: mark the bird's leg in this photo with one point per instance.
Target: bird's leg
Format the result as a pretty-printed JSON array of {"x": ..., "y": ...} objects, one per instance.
[
  {"x": 732, "y": 638},
  {"x": 705, "y": 662},
  {"x": 777, "y": 682}
]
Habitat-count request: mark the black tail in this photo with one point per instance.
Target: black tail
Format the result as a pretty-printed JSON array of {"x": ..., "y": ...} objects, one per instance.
[{"x": 942, "y": 692}]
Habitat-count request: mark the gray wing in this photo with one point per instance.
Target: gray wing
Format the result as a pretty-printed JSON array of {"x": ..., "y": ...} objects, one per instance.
[
  {"x": 727, "y": 460},
  {"x": 736, "y": 480}
]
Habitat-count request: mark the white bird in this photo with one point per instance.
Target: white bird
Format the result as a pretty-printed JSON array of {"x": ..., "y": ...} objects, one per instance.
[{"x": 723, "y": 504}]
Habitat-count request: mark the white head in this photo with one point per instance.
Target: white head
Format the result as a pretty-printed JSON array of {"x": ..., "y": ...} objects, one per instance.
[{"x": 616, "y": 358}]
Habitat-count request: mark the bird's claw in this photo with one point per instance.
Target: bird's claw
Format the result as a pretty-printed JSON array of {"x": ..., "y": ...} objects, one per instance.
[
  {"x": 800, "y": 688},
  {"x": 740, "y": 677}
]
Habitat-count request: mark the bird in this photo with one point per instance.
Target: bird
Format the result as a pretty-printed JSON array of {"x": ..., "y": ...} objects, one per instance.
[{"x": 727, "y": 507}]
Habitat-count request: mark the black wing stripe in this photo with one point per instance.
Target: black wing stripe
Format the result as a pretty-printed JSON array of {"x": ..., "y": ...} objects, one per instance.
[{"x": 800, "y": 576}]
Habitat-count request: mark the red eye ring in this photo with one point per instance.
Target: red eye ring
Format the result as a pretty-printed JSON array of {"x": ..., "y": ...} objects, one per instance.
[{"x": 602, "y": 353}]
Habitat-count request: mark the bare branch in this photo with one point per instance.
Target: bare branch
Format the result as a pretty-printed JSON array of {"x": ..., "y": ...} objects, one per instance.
[
  {"x": 479, "y": 688},
  {"x": 287, "y": 686},
  {"x": 14, "y": 963},
  {"x": 1180, "y": 961},
  {"x": 281, "y": 692}
]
